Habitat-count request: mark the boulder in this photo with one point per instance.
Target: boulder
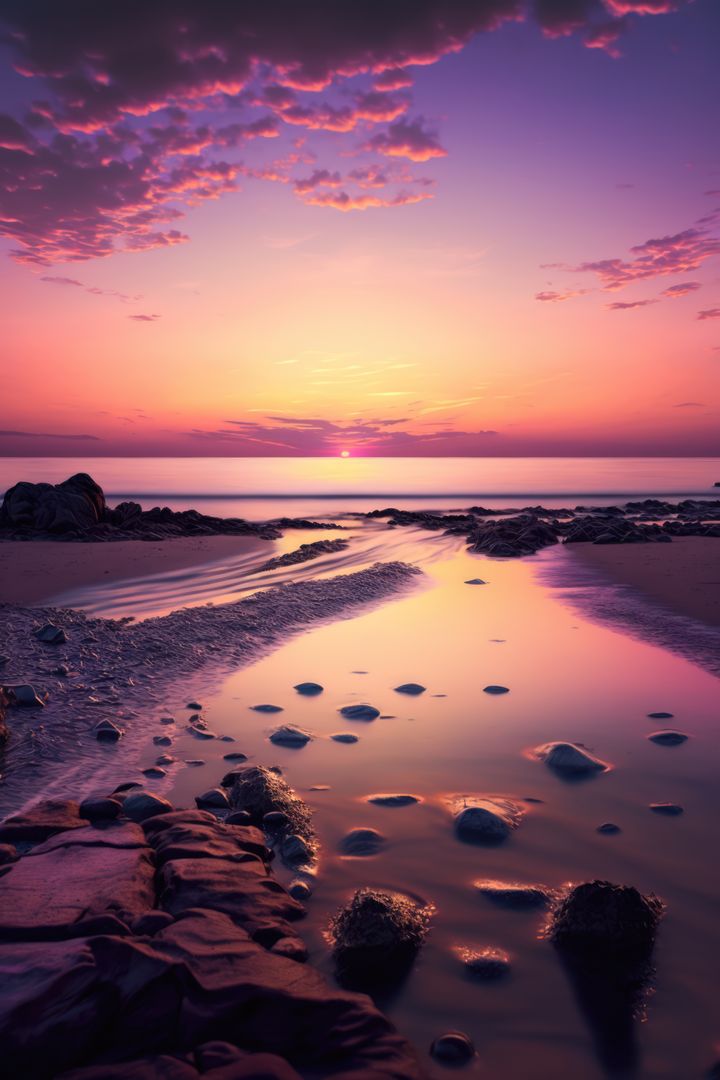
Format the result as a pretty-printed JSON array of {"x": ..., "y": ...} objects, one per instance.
[
  {"x": 309, "y": 689},
  {"x": 75, "y": 505},
  {"x": 480, "y": 820},
  {"x": 570, "y": 759},
  {"x": 140, "y": 805},
  {"x": 359, "y": 712},
  {"x": 377, "y": 934},
  {"x": 290, "y": 735},
  {"x": 599, "y": 916}
]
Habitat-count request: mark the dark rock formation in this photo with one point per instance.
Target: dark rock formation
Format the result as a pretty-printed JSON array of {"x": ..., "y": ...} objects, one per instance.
[
  {"x": 377, "y": 936},
  {"x": 510, "y": 537},
  {"x": 485, "y": 820},
  {"x": 259, "y": 791},
  {"x": 164, "y": 951},
  {"x": 304, "y": 553},
  {"x": 74, "y": 506}
]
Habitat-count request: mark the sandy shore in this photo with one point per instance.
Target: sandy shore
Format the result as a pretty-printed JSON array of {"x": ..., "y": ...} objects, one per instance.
[
  {"x": 34, "y": 572},
  {"x": 683, "y": 576}
]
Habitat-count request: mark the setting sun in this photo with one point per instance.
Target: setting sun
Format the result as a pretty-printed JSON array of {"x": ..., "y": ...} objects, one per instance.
[{"x": 344, "y": 453}]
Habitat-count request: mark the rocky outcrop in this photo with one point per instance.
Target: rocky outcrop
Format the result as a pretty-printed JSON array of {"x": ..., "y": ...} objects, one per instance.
[
  {"x": 167, "y": 949},
  {"x": 377, "y": 934},
  {"x": 75, "y": 505},
  {"x": 304, "y": 553}
]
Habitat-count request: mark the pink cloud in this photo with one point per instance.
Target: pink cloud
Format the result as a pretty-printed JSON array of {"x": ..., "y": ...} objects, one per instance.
[
  {"x": 144, "y": 318},
  {"x": 408, "y": 139},
  {"x": 683, "y": 289},
  {"x": 344, "y": 201},
  {"x": 393, "y": 79},
  {"x": 629, "y": 305},
  {"x": 553, "y": 297},
  {"x": 709, "y": 313},
  {"x": 674, "y": 254}
]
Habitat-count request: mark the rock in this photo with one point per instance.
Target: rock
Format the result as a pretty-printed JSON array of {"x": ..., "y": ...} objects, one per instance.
[
  {"x": 412, "y": 688},
  {"x": 235, "y": 756},
  {"x": 345, "y": 737},
  {"x": 609, "y": 828},
  {"x": 296, "y": 850},
  {"x": 201, "y": 733},
  {"x": 393, "y": 800},
  {"x": 162, "y": 740},
  {"x": 453, "y": 1048},
  {"x": 62, "y": 670},
  {"x": 260, "y": 791},
  {"x": 361, "y": 843},
  {"x": 377, "y": 935},
  {"x": 24, "y": 695},
  {"x": 164, "y": 759},
  {"x": 75, "y": 505},
  {"x": 299, "y": 890},
  {"x": 669, "y": 809},
  {"x": 226, "y": 738},
  {"x": 8, "y": 854},
  {"x": 668, "y": 738},
  {"x": 513, "y": 894},
  {"x": 194, "y": 705},
  {"x": 238, "y": 817},
  {"x": 107, "y": 731},
  {"x": 309, "y": 689},
  {"x": 194, "y": 763},
  {"x": 660, "y": 716},
  {"x": 50, "y": 634},
  {"x": 167, "y": 719},
  {"x": 4, "y": 729},
  {"x": 599, "y": 916},
  {"x": 486, "y": 820},
  {"x": 41, "y": 821},
  {"x": 487, "y": 963},
  {"x": 154, "y": 772},
  {"x": 267, "y": 708},
  {"x": 129, "y": 786},
  {"x": 141, "y": 805},
  {"x": 570, "y": 759},
  {"x": 290, "y": 735},
  {"x": 275, "y": 820},
  {"x": 493, "y": 689},
  {"x": 99, "y": 808},
  {"x": 359, "y": 712},
  {"x": 214, "y": 798},
  {"x": 476, "y": 581}
]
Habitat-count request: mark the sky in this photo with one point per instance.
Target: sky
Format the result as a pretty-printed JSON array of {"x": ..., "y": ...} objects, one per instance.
[{"x": 425, "y": 228}]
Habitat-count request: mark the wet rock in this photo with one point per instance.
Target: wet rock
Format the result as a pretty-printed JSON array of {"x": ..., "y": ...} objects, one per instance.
[
  {"x": 345, "y": 737},
  {"x": 359, "y": 712},
  {"x": 162, "y": 740},
  {"x": 570, "y": 759},
  {"x": 494, "y": 689},
  {"x": 296, "y": 850},
  {"x": 609, "y": 828},
  {"x": 377, "y": 935},
  {"x": 453, "y": 1048},
  {"x": 107, "y": 731},
  {"x": 481, "y": 820},
  {"x": 239, "y": 817},
  {"x": 213, "y": 798},
  {"x": 260, "y": 791},
  {"x": 290, "y": 735},
  {"x": 24, "y": 695},
  {"x": 154, "y": 772},
  {"x": 660, "y": 716},
  {"x": 393, "y": 800},
  {"x": 487, "y": 963},
  {"x": 200, "y": 732},
  {"x": 668, "y": 738},
  {"x": 141, "y": 805},
  {"x": 41, "y": 821},
  {"x": 362, "y": 843},
  {"x": 275, "y": 820},
  {"x": 99, "y": 808},
  {"x": 267, "y": 708},
  {"x": 75, "y": 505},
  {"x": 476, "y": 581},
  {"x": 513, "y": 894},
  {"x": 51, "y": 634},
  {"x": 412, "y": 688},
  {"x": 512, "y": 537},
  {"x": 128, "y": 786},
  {"x": 194, "y": 705},
  {"x": 600, "y": 916},
  {"x": 300, "y": 890},
  {"x": 669, "y": 809},
  {"x": 164, "y": 759},
  {"x": 235, "y": 755},
  {"x": 309, "y": 689}
]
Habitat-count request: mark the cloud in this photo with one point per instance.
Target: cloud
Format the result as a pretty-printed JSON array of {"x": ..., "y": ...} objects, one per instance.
[
  {"x": 682, "y": 289},
  {"x": 407, "y": 139},
  {"x": 689, "y": 405},
  {"x": 553, "y": 297},
  {"x": 629, "y": 305},
  {"x": 709, "y": 313},
  {"x": 345, "y": 202},
  {"x": 678, "y": 253},
  {"x": 122, "y": 135},
  {"x": 144, "y": 318},
  {"x": 54, "y": 279},
  {"x": 46, "y": 435}
]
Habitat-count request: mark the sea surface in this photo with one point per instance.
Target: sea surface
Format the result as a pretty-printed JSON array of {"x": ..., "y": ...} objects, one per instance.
[{"x": 536, "y": 627}]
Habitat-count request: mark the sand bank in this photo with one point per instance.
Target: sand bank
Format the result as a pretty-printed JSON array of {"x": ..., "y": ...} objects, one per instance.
[
  {"x": 683, "y": 577},
  {"x": 34, "y": 572}
]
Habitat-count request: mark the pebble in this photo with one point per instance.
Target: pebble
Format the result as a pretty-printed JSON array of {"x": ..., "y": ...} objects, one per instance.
[
  {"x": 267, "y": 708},
  {"x": 194, "y": 705},
  {"x": 167, "y": 719},
  {"x": 476, "y": 581},
  {"x": 513, "y": 894},
  {"x": 164, "y": 759},
  {"x": 345, "y": 737},
  {"x": 201, "y": 733},
  {"x": 412, "y": 688},
  {"x": 295, "y": 850},
  {"x": 359, "y": 712},
  {"x": 275, "y": 819},
  {"x": 393, "y": 800},
  {"x": 668, "y": 808},
  {"x": 487, "y": 820},
  {"x": 235, "y": 756},
  {"x": 361, "y": 843},
  {"x": 300, "y": 890},
  {"x": 668, "y": 738},
  {"x": 239, "y": 817},
  {"x": 126, "y": 787},
  {"x": 155, "y": 772},
  {"x": 453, "y": 1048},
  {"x": 309, "y": 689},
  {"x": 195, "y": 761},
  {"x": 162, "y": 740},
  {"x": 487, "y": 963},
  {"x": 51, "y": 634},
  {"x": 289, "y": 735},
  {"x": 106, "y": 731},
  {"x": 660, "y": 716},
  {"x": 492, "y": 689},
  {"x": 571, "y": 759},
  {"x": 609, "y": 828},
  {"x": 212, "y": 799}
]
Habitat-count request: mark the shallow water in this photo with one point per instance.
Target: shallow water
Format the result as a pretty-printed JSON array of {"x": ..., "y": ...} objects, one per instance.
[{"x": 569, "y": 678}]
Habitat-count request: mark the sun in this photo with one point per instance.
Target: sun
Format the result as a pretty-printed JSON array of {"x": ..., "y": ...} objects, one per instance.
[{"x": 344, "y": 453}]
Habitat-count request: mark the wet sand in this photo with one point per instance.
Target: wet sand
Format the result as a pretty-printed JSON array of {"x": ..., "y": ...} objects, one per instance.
[
  {"x": 683, "y": 576},
  {"x": 38, "y": 571}
]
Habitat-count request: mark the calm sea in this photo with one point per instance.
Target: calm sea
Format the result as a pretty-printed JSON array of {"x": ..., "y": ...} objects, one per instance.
[{"x": 259, "y": 488}]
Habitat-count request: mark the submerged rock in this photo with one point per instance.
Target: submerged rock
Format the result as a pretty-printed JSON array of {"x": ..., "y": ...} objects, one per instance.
[
  {"x": 235, "y": 755},
  {"x": 660, "y": 716},
  {"x": 570, "y": 759},
  {"x": 377, "y": 935},
  {"x": 359, "y": 712},
  {"x": 495, "y": 689},
  {"x": 361, "y": 843},
  {"x": 487, "y": 963},
  {"x": 668, "y": 738},
  {"x": 668, "y": 808},
  {"x": 140, "y": 805},
  {"x": 309, "y": 689},
  {"x": 453, "y": 1048},
  {"x": 599, "y": 916},
  {"x": 513, "y": 894},
  {"x": 267, "y": 708},
  {"x": 412, "y": 688},
  {"x": 345, "y": 737},
  {"x": 393, "y": 800},
  {"x": 608, "y": 828},
  {"x": 480, "y": 820},
  {"x": 289, "y": 735}
]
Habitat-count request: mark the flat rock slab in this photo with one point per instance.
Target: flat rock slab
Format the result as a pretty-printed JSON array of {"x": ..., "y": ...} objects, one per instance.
[
  {"x": 41, "y": 821},
  {"x": 393, "y": 800},
  {"x": 186, "y": 837},
  {"x": 47, "y": 894}
]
